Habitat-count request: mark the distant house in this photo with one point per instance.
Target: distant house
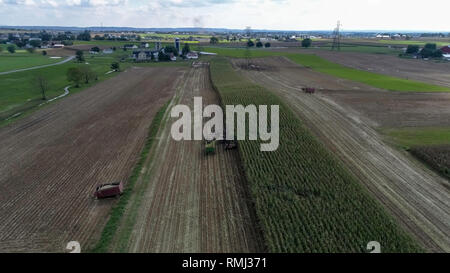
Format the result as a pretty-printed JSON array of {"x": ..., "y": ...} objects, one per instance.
[
  {"x": 192, "y": 55},
  {"x": 129, "y": 46},
  {"x": 445, "y": 50},
  {"x": 145, "y": 55},
  {"x": 446, "y": 56},
  {"x": 145, "y": 45},
  {"x": 58, "y": 46},
  {"x": 35, "y": 39},
  {"x": 173, "y": 57}
]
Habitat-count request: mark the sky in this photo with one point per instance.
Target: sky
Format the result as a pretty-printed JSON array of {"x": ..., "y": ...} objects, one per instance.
[{"x": 232, "y": 14}]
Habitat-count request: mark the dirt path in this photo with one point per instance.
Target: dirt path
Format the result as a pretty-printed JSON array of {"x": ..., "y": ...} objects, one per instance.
[
  {"x": 186, "y": 201},
  {"x": 52, "y": 160},
  {"x": 415, "y": 195}
]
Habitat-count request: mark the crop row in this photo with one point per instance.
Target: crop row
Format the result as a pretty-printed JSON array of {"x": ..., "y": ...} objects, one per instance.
[{"x": 305, "y": 200}]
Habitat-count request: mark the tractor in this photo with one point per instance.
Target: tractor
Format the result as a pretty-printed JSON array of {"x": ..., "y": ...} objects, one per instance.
[
  {"x": 309, "y": 90},
  {"x": 210, "y": 147}
]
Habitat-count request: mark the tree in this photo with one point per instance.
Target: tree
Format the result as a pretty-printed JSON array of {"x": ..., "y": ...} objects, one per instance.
[
  {"x": 41, "y": 83},
  {"x": 426, "y": 53},
  {"x": 84, "y": 36},
  {"x": 437, "y": 54},
  {"x": 250, "y": 43},
  {"x": 35, "y": 43},
  {"x": 171, "y": 49},
  {"x": 306, "y": 43},
  {"x": 138, "y": 38},
  {"x": 412, "y": 49},
  {"x": 213, "y": 40},
  {"x": 1, "y": 49},
  {"x": 95, "y": 49},
  {"x": 80, "y": 56},
  {"x": 116, "y": 66},
  {"x": 87, "y": 73},
  {"x": 44, "y": 53},
  {"x": 267, "y": 44},
  {"x": 163, "y": 57},
  {"x": 31, "y": 50},
  {"x": 259, "y": 44},
  {"x": 74, "y": 75},
  {"x": 11, "y": 49},
  {"x": 186, "y": 49},
  {"x": 430, "y": 46}
]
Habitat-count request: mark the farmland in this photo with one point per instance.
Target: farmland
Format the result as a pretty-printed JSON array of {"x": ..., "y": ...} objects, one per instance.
[
  {"x": 412, "y": 69},
  {"x": 66, "y": 150},
  {"x": 183, "y": 200},
  {"x": 305, "y": 199},
  {"x": 319, "y": 64},
  {"x": 414, "y": 195}
]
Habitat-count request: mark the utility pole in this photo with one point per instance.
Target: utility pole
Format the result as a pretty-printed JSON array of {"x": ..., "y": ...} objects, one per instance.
[{"x": 337, "y": 37}]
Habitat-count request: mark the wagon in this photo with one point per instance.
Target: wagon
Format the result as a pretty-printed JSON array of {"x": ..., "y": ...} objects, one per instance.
[{"x": 109, "y": 190}]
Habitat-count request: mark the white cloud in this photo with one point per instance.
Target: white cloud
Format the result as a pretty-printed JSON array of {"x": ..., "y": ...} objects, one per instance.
[{"x": 259, "y": 14}]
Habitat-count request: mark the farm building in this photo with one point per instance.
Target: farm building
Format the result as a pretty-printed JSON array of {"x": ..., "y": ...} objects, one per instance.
[
  {"x": 130, "y": 46},
  {"x": 144, "y": 55},
  {"x": 108, "y": 51},
  {"x": 58, "y": 46},
  {"x": 192, "y": 55}
]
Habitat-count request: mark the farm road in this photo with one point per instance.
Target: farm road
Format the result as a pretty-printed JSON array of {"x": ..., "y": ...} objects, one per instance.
[{"x": 418, "y": 198}]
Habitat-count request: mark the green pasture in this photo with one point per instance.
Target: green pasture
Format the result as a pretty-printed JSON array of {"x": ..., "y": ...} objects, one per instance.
[{"x": 419, "y": 136}]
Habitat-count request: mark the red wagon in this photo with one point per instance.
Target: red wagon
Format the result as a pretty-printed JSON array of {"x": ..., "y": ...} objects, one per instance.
[{"x": 109, "y": 190}]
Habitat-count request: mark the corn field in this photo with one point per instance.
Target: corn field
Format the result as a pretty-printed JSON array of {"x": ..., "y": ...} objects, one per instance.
[{"x": 305, "y": 200}]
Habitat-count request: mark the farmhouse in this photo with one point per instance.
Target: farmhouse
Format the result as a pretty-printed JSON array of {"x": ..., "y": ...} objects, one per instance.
[{"x": 145, "y": 55}]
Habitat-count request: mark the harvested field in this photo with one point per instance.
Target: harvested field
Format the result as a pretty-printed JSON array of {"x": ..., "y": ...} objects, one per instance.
[
  {"x": 381, "y": 108},
  {"x": 52, "y": 160},
  {"x": 186, "y": 201},
  {"x": 416, "y": 196},
  {"x": 391, "y": 65}
]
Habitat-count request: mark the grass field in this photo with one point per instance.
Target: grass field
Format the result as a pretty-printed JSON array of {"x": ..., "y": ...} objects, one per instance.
[
  {"x": 412, "y": 42},
  {"x": 324, "y": 66},
  {"x": 14, "y": 61},
  {"x": 304, "y": 198},
  {"x": 418, "y": 136}
]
